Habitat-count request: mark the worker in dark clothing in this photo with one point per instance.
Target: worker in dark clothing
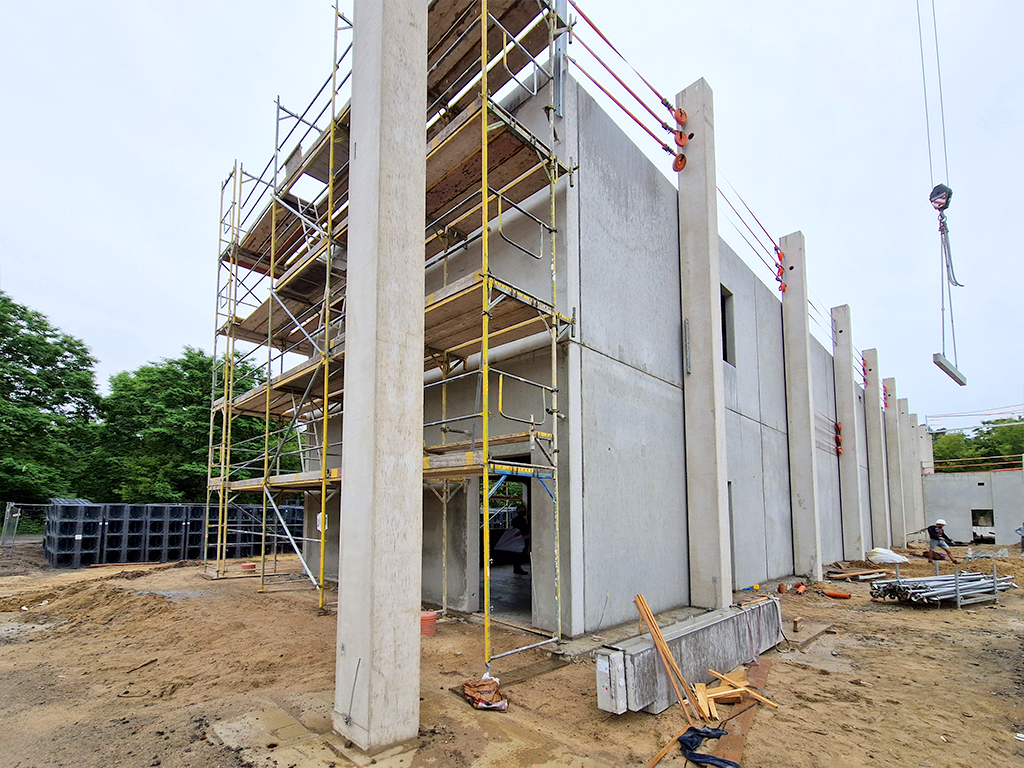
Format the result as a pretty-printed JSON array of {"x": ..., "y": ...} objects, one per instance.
[
  {"x": 521, "y": 522},
  {"x": 937, "y": 539}
]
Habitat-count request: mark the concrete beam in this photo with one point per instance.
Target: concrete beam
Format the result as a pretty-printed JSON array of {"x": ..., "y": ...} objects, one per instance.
[
  {"x": 850, "y": 460},
  {"x": 703, "y": 378},
  {"x": 803, "y": 473},
  {"x": 377, "y": 681},
  {"x": 894, "y": 463},
  {"x": 878, "y": 486}
]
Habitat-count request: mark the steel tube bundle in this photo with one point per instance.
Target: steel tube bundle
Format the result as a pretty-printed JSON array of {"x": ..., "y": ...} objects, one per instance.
[{"x": 958, "y": 587}]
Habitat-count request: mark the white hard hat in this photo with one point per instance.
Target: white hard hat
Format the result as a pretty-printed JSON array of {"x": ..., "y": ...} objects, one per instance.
[{"x": 940, "y": 522}]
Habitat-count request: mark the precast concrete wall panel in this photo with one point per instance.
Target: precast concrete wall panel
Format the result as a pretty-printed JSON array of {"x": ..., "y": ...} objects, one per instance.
[
  {"x": 1007, "y": 505},
  {"x": 829, "y": 512},
  {"x": 629, "y": 241},
  {"x": 778, "y": 512},
  {"x": 635, "y": 527},
  {"x": 862, "y": 468},
  {"x": 771, "y": 369},
  {"x": 749, "y": 554},
  {"x": 459, "y": 569},
  {"x": 951, "y": 496}
]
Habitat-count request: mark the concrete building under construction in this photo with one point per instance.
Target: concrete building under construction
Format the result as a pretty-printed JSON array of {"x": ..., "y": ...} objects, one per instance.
[{"x": 457, "y": 288}]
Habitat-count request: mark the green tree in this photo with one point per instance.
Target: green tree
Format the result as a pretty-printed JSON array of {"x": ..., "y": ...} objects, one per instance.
[
  {"x": 155, "y": 432},
  {"x": 47, "y": 401},
  {"x": 967, "y": 453},
  {"x": 152, "y": 445}
]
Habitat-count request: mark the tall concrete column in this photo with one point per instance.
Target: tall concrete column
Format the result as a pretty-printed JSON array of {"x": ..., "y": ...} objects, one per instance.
[
  {"x": 703, "y": 378},
  {"x": 850, "y": 460},
  {"x": 377, "y": 682},
  {"x": 803, "y": 473},
  {"x": 894, "y": 464},
  {"x": 918, "y": 481},
  {"x": 878, "y": 487}
]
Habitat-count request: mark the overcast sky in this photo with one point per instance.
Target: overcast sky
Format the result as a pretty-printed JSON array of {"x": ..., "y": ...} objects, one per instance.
[{"x": 121, "y": 119}]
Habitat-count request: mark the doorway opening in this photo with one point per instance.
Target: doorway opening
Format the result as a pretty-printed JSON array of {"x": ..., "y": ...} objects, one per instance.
[{"x": 509, "y": 517}]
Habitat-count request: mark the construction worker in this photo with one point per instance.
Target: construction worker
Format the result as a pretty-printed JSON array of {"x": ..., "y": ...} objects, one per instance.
[
  {"x": 521, "y": 522},
  {"x": 937, "y": 539}
]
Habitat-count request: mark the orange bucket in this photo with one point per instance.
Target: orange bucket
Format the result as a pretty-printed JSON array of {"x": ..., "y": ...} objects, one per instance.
[{"x": 428, "y": 623}]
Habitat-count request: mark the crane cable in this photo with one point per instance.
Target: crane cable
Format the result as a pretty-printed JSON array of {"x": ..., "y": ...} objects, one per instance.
[{"x": 941, "y": 194}]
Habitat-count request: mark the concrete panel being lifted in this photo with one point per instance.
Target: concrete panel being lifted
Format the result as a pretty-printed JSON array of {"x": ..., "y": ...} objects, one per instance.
[{"x": 719, "y": 640}]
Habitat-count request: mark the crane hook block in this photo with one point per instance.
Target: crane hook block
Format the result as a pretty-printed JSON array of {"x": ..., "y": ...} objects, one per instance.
[{"x": 940, "y": 197}]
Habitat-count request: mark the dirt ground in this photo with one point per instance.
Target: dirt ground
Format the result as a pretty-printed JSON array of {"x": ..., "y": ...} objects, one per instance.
[{"x": 157, "y": 666}]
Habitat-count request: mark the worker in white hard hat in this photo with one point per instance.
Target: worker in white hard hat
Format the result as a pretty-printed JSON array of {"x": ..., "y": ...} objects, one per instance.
[{"x": 937, "y": 539}]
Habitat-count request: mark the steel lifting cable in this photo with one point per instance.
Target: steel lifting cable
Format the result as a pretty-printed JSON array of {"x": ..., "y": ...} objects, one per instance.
[
  {"x": 678, "y": 135},
  {"x": 740, "y": 233},
  {"x": 622, "y": 106},
  {"x": 774, "y": 257},
  {"x": 665, "y": 102},
  {"x": 780, "y": 272}
]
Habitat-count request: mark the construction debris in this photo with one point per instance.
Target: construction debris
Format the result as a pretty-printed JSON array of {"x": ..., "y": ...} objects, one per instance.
[
  {"x": 959, "y": 588},
  {"x": 484, "y": 694}
]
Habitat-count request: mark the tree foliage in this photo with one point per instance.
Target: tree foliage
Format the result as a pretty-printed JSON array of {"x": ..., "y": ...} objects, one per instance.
[
  {"x": 47, "y": 401},
  {"x": 996, "y": 445},
  {"x": 152, "y": 445},
  {"x": 147, "y": 442}
]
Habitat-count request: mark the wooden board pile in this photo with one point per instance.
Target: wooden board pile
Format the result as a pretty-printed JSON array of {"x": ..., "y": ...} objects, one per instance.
[{"x": 856, "y": 574}]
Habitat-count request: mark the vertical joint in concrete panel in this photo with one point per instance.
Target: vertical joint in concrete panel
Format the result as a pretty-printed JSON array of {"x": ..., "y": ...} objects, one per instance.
[
  {"x": 377, "y": 681},
  {"x": 851, "y": 447},
  {"x": 703, "y": 379},
  {"x": 803, "y": 474},
  {"x": 878, "y": 487}
]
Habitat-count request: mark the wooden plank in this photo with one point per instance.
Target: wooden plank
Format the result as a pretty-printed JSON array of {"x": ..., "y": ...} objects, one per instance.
[
  {"x": 745, "y": 689},
  {"x": 509, "y": 439},
  {"x": 730, "y": 746},
  {"x": 459, "y": 460}
]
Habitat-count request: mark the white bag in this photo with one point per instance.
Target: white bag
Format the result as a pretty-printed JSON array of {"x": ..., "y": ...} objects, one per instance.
[
  {"x": 511, "y": 541},
  {"x": 883, "y": 555}
]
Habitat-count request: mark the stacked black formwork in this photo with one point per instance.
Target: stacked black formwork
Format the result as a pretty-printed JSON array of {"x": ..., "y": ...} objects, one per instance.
[
  {"x": 73, "y": 535},
  {"x": 81, "y": 535},
  {"x": 243, "y": 537}
]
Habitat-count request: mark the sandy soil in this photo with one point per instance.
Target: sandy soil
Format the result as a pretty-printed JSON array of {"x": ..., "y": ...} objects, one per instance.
[{"x": 158, "y": 666}]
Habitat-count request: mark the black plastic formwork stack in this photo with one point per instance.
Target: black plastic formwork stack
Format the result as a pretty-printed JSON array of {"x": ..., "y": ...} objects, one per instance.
[
  {"x": 73, "y": 535},
  {"x": 244, "y": 526},
  {"x": 81, "y": 535}
]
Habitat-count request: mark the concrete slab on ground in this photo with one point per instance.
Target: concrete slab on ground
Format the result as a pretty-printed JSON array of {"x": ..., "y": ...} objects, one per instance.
[{"x": 809, "y": 632}]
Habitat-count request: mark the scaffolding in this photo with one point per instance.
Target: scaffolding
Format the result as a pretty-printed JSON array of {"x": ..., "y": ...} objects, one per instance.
[{"x": 282, "y": 279}]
